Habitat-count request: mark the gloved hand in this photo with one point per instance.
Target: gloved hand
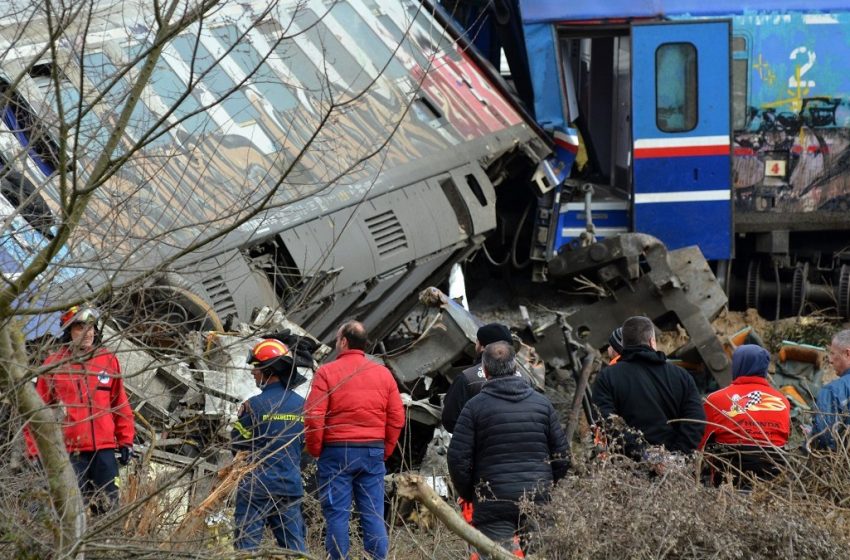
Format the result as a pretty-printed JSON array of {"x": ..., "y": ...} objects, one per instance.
[{"x": 124, "y": 455}]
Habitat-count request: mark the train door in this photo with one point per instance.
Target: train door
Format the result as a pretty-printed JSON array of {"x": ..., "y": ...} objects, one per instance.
[{"x": 681, "y": 170}]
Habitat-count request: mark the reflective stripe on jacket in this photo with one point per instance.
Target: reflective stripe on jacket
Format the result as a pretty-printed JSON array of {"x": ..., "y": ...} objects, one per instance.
[{"x": 271, "y": 428}]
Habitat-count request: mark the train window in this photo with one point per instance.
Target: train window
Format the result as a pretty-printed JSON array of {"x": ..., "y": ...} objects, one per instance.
[
  {"x": 740, "y": 72},
  {"x": 89, "y": 132},
  {"x": 676, "y": 87},
  {"x": 262, "y": 77},
  {"x": 366, "y": 39},
  {"x": 403, "y": 39},
  {"x": 432, "y": 38},
  {"x": 19, "y": 118}
]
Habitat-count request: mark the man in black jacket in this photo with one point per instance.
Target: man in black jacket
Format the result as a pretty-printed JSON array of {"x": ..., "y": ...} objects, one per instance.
[
  {"x": 508, "y": 443},
  {"x": 469, "y": 382},
  {"x": 650, "y": 394}
]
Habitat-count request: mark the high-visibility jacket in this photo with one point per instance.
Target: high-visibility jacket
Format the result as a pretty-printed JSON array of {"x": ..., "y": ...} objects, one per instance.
[{"x": 95, "y": 411}]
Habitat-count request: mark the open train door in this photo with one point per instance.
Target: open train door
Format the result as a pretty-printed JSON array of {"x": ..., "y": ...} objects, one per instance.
[{"x": 681, "y": 134}]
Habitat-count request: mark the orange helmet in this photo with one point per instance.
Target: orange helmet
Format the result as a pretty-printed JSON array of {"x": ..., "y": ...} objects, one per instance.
[
  {"x": 79, "y": 314},
  {"x": 268, "y": 352}
]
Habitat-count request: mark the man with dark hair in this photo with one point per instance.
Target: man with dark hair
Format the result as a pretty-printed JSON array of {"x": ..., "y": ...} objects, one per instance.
[
  {"x": 469, "y": 382},
  {"x": 650, "y": 394},
  {"x": 833, "y": 402},
  {"x": 271, "y": 428},
  {"x": 354, "y": 334},
  {"x": 508, "y": 443},
  {"x": 354, "y": 418}
]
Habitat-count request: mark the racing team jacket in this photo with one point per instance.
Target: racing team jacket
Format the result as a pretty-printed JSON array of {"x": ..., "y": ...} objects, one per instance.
[
  {"x": 97, "y": 414},
  {"x": 353, "y": 400},
  {"x": 271, "y": 428},
  {"x": 747, "y": 412}
]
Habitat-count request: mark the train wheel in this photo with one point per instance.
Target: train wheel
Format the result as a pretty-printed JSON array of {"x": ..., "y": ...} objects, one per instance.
[
  {"x": 844, "y": 291},
  {"x": 799, "y": 288},
  {"x": 751, "y": 295}
]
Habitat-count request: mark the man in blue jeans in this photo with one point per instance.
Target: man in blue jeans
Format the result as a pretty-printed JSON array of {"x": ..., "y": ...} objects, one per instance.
[
  {"x": 271, "y": 428},
  {"x": 354, "y": 417}
]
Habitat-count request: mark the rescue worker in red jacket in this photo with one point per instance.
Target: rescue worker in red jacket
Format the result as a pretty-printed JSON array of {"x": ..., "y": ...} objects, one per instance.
[
  {"x": 353, "y": 418},
  {"x": 749, "y": 418},
  {"x": 84, "y": 382}
]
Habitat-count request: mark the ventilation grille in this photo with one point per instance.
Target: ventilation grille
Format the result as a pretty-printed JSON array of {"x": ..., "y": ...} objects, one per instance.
[
  {"x": 387, "y": 233},
  {"x": 220, "y": 296}
]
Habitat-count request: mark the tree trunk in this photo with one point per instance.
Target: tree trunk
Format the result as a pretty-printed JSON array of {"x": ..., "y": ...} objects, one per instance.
[
  {"x": 65, "y": 496},
  {"x": 414, "y": 487}
]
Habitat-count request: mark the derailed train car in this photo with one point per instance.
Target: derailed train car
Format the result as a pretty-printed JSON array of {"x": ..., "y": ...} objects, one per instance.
[
  {"x": 377, "y": 140},
  {"x": 328, "y": 160}
]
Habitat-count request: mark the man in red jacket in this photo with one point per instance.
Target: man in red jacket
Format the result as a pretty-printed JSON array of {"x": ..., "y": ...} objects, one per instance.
[
  {"x": 84, "y": 383},
  {"x": 747, "y": 419},
  {"x": 353, "y": 418}
]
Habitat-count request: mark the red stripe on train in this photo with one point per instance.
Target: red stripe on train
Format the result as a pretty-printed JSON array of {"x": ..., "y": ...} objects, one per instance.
[
  {"x": 566, "y": 145},
  {"x": 682, "y": 151}
]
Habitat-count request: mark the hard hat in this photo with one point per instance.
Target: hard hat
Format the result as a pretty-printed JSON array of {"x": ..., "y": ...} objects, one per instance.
[
  {"x": 79, "y": 314},
  {"x": 268, "y": 352}
]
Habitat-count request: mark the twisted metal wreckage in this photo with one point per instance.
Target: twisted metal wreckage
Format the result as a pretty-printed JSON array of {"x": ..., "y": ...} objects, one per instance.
[
  {"x": 184, "y": 408},
  {"x": 345, "y": 234}
]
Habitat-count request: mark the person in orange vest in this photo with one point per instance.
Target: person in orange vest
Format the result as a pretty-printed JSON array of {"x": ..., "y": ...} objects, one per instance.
[{"x": 749, "y": 418}]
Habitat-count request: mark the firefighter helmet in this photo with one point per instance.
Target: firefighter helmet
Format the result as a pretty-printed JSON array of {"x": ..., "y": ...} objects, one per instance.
[
  {"x": 79, "y": 314},
  {"x": 268, "y": 352}
]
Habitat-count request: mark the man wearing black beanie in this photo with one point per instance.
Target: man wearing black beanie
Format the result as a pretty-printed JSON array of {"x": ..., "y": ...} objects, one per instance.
[{"x": 469, "y": 382}]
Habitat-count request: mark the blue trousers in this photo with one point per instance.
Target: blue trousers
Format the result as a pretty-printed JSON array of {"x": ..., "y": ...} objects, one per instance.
[
  {"x": 256, "y": 510},
  {"x": 358, "y": 472}
]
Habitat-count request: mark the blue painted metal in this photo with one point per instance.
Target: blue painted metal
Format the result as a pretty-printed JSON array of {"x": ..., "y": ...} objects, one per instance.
[
  {"x": 693, "y": 222},
  {"x": 539, "y": 11},
  {"x": 610, "y": 217},
  {"x": 680, "y": 224},
  {"x": 548, "y": 108},
  {"x": 672, "y": 174}
]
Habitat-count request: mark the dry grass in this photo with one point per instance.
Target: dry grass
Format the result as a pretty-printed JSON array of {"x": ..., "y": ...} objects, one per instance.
[
  {"x": 615, "y": 509},
  {"x": 620, "y": 511}
]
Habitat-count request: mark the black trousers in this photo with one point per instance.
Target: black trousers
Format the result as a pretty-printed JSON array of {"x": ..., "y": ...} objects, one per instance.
[{"x": 97, "y": 473}]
